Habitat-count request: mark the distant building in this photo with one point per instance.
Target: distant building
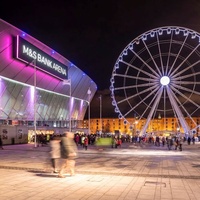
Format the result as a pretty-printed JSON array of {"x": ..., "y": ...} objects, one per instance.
[{"x": 157, "y": 126}]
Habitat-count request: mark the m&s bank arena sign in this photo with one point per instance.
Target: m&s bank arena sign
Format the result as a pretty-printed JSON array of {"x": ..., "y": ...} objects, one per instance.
[{"x": 29, "y": 53}]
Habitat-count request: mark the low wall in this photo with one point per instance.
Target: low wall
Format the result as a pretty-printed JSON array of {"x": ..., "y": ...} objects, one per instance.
[{"x": 14, "y": 134}]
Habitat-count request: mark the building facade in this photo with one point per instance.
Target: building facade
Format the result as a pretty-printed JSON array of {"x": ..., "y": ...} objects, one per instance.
[
  {"x": 157, "y": 126},
  {"x": 38, "y": 86}
]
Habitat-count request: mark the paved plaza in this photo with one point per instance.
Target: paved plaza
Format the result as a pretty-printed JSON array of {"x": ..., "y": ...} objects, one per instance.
[{"x": 132, "y": 172}]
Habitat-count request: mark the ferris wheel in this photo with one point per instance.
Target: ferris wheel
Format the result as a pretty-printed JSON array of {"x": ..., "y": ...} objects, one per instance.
[{"x": 158, "y": 74}]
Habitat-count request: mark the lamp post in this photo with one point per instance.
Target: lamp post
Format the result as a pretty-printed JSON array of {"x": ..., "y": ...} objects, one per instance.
[
  {"x": 35, "y": 79},
  {"x": 33, "y": 63},
  {"x": 89, "y": 93},
  {"x": 100, "y": 105},
  {"x": 136, "y": 122},
  {"x": 68, "y": 82}
]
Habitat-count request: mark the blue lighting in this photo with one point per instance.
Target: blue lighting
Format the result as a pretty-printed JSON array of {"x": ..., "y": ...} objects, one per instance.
[
  {"x": 52, "y": 51},
  {"x": 23, "y": 34}
]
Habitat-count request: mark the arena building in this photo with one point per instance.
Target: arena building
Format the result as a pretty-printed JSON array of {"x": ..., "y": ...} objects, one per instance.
[{"x": 40, "y": 90}]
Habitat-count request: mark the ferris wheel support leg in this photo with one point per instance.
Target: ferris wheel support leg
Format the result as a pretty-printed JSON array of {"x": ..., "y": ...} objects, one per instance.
[
  {"x": 159, "y": 93},
  {"x": 178, "y": 111}
]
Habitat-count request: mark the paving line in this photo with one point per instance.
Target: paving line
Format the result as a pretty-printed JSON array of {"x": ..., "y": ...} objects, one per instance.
[{"x": 39, "y": 170}]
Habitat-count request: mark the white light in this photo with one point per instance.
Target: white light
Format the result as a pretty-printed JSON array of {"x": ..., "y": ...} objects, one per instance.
[
  {"x": 165, "y": 80},
  {"x": 89, "y": 92}
]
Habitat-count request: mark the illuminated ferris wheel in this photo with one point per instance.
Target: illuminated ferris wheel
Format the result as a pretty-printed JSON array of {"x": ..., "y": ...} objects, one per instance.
[{"x": 158, "y": 74}]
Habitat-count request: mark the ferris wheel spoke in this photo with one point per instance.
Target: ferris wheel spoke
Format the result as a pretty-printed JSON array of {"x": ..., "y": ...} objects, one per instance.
[
  {"x": 151, "y": 93},
  {"x": 181, "y": 105},
  {"x": 135, "y": 77},
  {"x": 160, "y": 54},
  {"x": 168, "y": 55},
  {"x": 147, "y": 107},
  {"x": 178, "y": 54},
  {"x": 156, "y": 102},
  {"x": 177, "y": 110},
  {"x": 159, "y": 72},
  {"x": 140, "y": 70},
  {"x": 135, "y": 95},
  {"x": 185, "y": 69},
  {"x": 186, "y": 76},
  {"x": 135, "y": 86},
  {"x": 177, "y": 68},
  {"x": 150, "y": 68},
  {"x": 186, "y": 82},
  {"x": 185, "y": 89},
  {"x": 185, "y": 97}
]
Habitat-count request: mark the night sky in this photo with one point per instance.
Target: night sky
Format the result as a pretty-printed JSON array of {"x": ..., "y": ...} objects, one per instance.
[{"x": 92, "y": 34}]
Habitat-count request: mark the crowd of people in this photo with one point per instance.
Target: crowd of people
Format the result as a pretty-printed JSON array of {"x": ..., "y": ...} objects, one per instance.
[
  {"x": 64, "y": 147},
  {"x": 171, "y": 141}
]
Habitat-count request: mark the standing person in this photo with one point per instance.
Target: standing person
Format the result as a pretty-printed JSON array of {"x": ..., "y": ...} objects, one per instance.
[
  {"x": 77, "y": 139},
  {"x": 86, "y": 143},
  {"x": 180, "y": 143},
  {"x": 163, "y": 141},
  {"x": 55, "y": 152},
  {"x": 176, "y": 143},
  {"x": 189, "y": 140},
  {"x": 169, "y": 142},
  {"x": 193, "y": 139},
  {"x": 82, "y": 140},
  {"x": 1, "y": 143},
  {"x": 68, "y": 154}
]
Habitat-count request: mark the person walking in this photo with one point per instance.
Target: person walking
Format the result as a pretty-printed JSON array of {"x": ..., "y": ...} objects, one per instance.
[
  {"x": 1, "y": 143},
  {"x": 68, "y": 154},
  {"x": 55, "y": 152}
]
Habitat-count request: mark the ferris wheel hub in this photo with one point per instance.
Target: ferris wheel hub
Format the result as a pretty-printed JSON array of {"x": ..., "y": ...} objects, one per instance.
[{"x": 164, "y": 80}]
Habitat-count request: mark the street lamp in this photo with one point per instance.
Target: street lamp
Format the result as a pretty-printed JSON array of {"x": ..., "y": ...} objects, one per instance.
[
  {"x": 100, "y": 105},
  {"x": 35, "y": 82},
  {"x": 68, "y": 82},
  {"x": 33, "y": 63},
  {"x": 89, "y": 93},
  {"x": 136, "y": 122}
]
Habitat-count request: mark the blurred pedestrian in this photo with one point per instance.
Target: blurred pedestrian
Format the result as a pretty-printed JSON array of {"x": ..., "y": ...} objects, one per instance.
[
  {"x": 163, "y": 141},
  {"x": 68, "y": 154},
  {"x": 169, "y": 142},
  {"x": 1, "y": 143},
  {"x": 86, "y": 143},
  {"x": 189, "y": 140},
  {"x": 193, "y": 139},
  {"x": 180, "y": 143},
  {"x": 55, "y": 152},
  {"x": 77, "y": 139}
]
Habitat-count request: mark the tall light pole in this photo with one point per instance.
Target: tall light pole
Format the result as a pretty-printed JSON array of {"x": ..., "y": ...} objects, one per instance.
[
  {"x": 89, "y": 93},
  {"x": 35, "y": 79},
  {"x": 68, "y": 82},
  {"x": 100, "y": 105}
]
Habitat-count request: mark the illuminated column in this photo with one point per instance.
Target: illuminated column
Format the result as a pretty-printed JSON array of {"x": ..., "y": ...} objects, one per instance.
[
  {"x": 35, "y": 128},
  {"x": 68, "y": 82},
  {"x": 89, "y": 93}
]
